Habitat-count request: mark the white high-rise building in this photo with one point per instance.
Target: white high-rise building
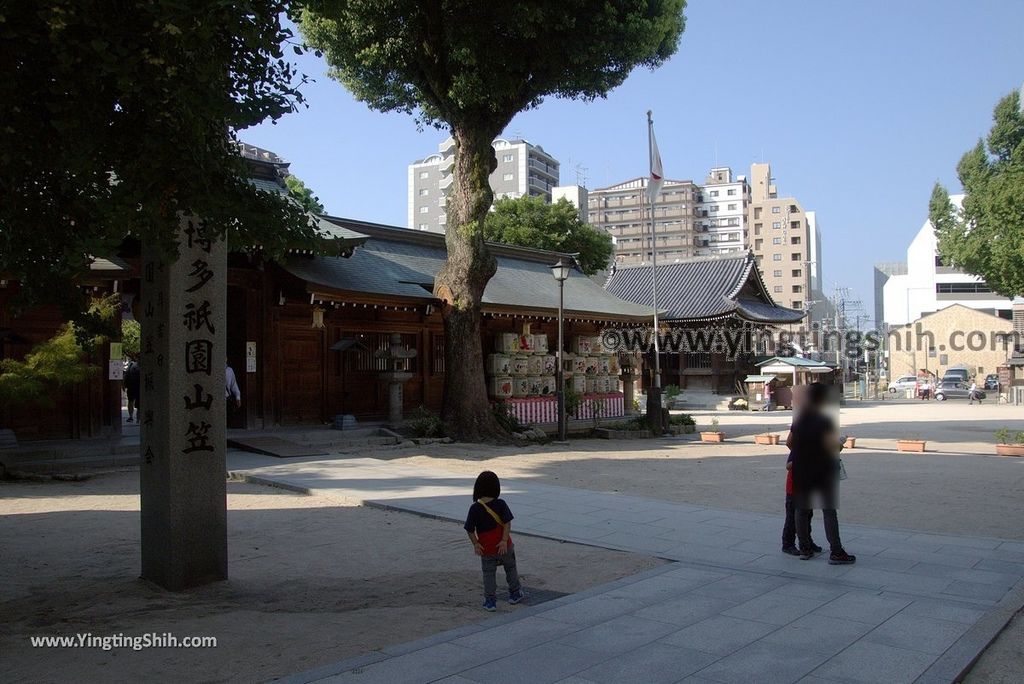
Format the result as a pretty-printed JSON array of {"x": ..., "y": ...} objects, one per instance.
[
  {"x": 523, "y": 169},
  {"x": 721, "y": 223}
]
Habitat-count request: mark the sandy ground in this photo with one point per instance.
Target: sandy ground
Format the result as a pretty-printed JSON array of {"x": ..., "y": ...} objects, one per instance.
[
  {"x": 314, "y": 582},
  {"x": 311, "y": 583},
  {"x": 958, "y": 487}
]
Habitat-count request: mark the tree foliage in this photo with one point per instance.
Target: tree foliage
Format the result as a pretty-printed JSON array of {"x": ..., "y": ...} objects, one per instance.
[
  {"x": 131, "y": 338},
  {"x": 298, "y": 191},
  {"x": 532, "y": 222},
  {"x": 470, "y": 67},
  {"x": 461, "y": 62},
  {"x": 60, "y": 361},
  {"x": 986, "y": 236},
  {"x": 118, "y": 114}
]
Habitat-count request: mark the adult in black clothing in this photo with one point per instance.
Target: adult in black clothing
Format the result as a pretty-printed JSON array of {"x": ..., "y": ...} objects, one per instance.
[
  {"x": 815, "y": 447},
  {"x": 131, "y": 388}
]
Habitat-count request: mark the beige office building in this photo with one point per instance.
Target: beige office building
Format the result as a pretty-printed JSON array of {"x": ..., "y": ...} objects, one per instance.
[
  {"x": 623, "y": 211},
  {"x": 787, "y": 245},
  {"x": 953, "y": 336}
]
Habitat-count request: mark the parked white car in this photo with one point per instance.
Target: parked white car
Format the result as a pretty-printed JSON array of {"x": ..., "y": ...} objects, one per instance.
[{"x": 904, "y": 382}]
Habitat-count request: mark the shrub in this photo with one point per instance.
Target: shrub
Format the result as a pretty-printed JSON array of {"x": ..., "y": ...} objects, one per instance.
[
  {"x": 634, "y": 423},
  {"x": 506, "y": 419},
  {"x": 426, "y": 423},
  {"x": 739, "y": 404},
  {"x": 1003, "y": 436},
  {"x": 682, "y": 419},
  {"x": 572, "y": 402},
  {"x": 671, "y": 392}
]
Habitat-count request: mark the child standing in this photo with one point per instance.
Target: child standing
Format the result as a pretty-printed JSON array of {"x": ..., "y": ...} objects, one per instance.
[
  {"x": 789, "y": 526},
  {"x": 489, "y": 526}
]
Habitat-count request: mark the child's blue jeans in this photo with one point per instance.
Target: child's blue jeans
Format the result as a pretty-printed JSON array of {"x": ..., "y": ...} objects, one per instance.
[{"x": 489, "y": 565}]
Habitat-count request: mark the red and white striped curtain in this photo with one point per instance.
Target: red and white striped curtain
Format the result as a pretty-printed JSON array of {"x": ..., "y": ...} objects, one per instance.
[{"x": 541, "y": 410}]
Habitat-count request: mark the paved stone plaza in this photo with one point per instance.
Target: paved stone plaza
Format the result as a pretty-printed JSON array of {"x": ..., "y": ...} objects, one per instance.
[{"x": 732, "y": 608}]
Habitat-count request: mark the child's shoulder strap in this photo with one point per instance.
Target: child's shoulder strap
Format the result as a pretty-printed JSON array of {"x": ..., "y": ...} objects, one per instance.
[{"x": 497, "y": 518}]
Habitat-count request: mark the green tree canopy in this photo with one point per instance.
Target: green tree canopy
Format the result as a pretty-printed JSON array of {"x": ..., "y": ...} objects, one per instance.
[
  {"x": 986, "y": 236},
  {"x": 532, "y": 222},
  {"x": 298, "y": 191},
  {"x": 118, "y": 115},
  {"x": 470, "y": 67},
  {"x": 60, "y": 361},
  {"x": 131, "y": 338}
]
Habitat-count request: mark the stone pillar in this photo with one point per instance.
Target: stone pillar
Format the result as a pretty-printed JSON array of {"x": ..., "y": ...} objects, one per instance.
[
  {"x": 395, "y": 400},
  {"x": 183, "y": 488},
  {"x": 628, "y": 389}
]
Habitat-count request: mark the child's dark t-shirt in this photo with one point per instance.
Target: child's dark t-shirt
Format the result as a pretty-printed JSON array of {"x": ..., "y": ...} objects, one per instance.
[{"x": 486, "y": 528}]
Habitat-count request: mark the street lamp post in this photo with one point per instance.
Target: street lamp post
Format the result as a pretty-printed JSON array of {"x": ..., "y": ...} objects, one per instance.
[{"x": 561, "y": 273}]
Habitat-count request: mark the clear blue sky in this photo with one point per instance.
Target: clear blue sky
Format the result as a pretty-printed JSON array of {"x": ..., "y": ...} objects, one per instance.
[{"x": 859, "y": 106}]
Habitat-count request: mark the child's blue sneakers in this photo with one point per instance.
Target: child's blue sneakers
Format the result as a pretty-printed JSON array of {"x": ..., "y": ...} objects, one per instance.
[
  {"x": 515, "y": 596},
  {"x": 490, "y": 605}
]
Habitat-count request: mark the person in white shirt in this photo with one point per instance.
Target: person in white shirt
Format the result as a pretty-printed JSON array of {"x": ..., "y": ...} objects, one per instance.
[
  {"x": 972, "y": 393},
  {"x": 231, "y": 386}
]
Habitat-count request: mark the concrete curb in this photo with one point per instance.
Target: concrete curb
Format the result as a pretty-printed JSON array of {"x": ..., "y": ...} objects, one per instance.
[{"x": 955, "y": 664}]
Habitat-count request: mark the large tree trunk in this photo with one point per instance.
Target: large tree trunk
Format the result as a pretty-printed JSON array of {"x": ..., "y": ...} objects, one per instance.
[{"x": 460, "y": 285}]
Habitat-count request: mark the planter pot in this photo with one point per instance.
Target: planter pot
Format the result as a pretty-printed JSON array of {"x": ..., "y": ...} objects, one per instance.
[
  {"x": 1010, "y": 450},
  {"x": 911, "y": 445},
  {"x": 712, "y": 436},
  {"x": 850, "y": 443},
  {"x": 768, "y": 439}
]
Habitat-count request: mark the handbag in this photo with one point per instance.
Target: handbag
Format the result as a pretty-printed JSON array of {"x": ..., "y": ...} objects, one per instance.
[{"x": 497, "y": 518}]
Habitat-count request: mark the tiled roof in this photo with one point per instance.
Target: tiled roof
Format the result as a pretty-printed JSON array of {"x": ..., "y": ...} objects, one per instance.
[
  {"x": 702, "y": 288},
  {"x": 797, "y": 361},
  {"x": 327, "y": 229},
  {"x": 333, "y": 231},
  {"x": 267, "y": 185},
  {"x": 397, "y": 262}
]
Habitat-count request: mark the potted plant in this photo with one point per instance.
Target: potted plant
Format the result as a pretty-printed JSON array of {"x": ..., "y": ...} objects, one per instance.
[
  {"x": 712, "y": 435},
  {"x": 768, "y": 438},
  {"x": 914, "y": 445},
  {"x": 739, "y": 404},
  {"x": 1005, "y": 447}
]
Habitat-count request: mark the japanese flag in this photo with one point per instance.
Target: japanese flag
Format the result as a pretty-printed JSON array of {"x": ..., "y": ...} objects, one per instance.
[{"x": 657, "y": 173}]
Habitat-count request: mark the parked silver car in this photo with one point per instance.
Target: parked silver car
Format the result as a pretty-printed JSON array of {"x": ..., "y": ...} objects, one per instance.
[
  {"x": 904, "y": 382},
  {"x": 954, "y": 389}
]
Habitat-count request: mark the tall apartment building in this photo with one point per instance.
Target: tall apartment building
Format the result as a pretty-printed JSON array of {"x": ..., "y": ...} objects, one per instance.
[
  {"x": 721, "y": 226},
  {"x": 523, "y": 169},
  {"x": 623, "y": 211},
  {"x": 786, "y": 241}
]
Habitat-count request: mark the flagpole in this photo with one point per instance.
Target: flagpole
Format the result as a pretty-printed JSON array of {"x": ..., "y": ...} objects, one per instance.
[{"x": 654, "y": 252}]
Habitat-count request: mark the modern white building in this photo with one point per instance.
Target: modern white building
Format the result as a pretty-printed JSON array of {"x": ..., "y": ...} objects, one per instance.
[
  {"x": 577, "y": 195},
  {"x": 721, "y": 224},
  {"x": 928, "y": 286},
  {"x": 523, "y": 169}
]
